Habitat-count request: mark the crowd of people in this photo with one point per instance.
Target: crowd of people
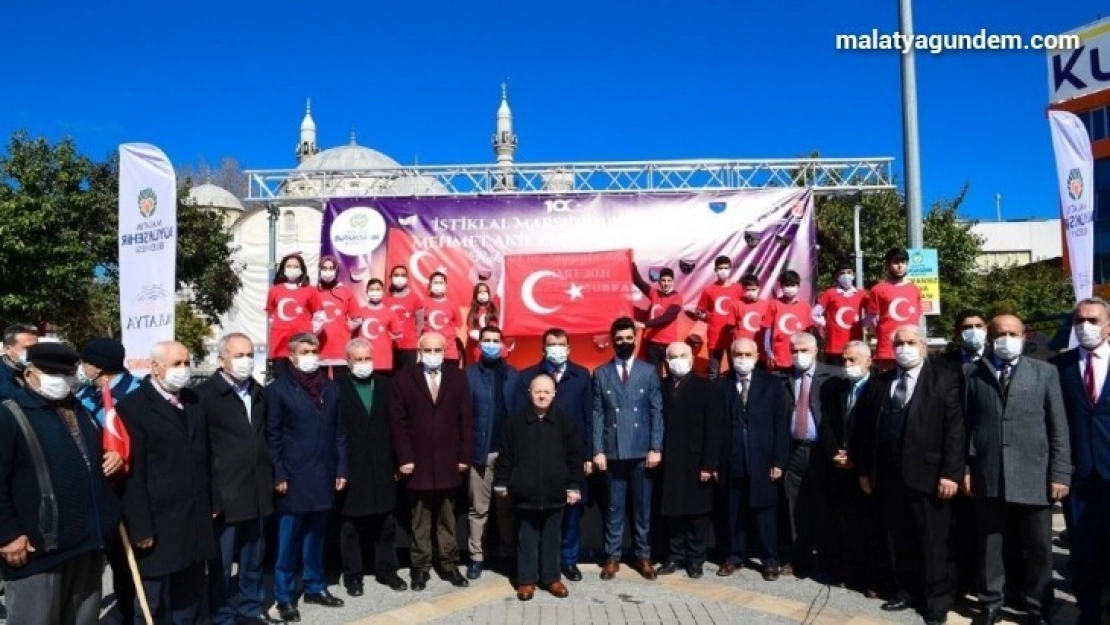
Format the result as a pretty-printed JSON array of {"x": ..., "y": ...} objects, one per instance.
[{"x": 381, "y": 416}]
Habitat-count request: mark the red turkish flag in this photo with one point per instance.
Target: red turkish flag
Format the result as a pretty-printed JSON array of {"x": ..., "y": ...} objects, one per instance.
[
  {"x": 421, "y": 263},
  {"x": 581, "y": 293}
]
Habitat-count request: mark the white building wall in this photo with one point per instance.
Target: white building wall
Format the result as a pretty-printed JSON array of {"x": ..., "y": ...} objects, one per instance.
[{"x": 1018, "y": 242}]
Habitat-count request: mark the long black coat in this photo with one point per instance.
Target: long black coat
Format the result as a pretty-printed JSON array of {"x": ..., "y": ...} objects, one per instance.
[
  {"x": 167, "y": 494},
  {"x": 239, "y": 456},
  {"x": 766, "y": 436},
  {"x": 933, "y": 444},
  {"x": 308, "y": 443},
  {"x": 691, "y": 444},
  {"x": 371, "y": 463},
  {"x": 540, "y": 460}
]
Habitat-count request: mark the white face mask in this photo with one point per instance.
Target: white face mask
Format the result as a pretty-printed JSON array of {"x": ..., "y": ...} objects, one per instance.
[
  {"x": 176, "y": 378},
  {"x": 308, "y": 363},
  {"x": 722, "y": 274},
  {"x": 845, "y": 280},
  {"x": 855, "y": 373},
  {"x": 483, "y": 298},
  {"x": 743, "y": 365},
  {"x": 327, "y": 276},
  {"x": 56, "y": 387},
  {"x": 556, "y": 354},
  {"x": 1089, "y": 335},
  {"x": 439, "y": 288},
  {"x": 374, "y": 297},
  {"x": 362, "y": 370},
  {"x": 242, "y": 367},
  {"x": 907, "y": 356},
  {"x": 679, "y": 366},
  {"x": 400, "y": 282},
  {"x": 790, "y": 292},
  {"x": 432, "y": 361},
  {"x": 973, "y": 339},
  {"x": 292, "y": 275},
  {"x": 1008, "y": 348},
  {"x": 19, "y": 359},
  {"x": 802, "y": 360},
  {"x": 83, "y": 378},
  {"x": 751, "y": 296}
]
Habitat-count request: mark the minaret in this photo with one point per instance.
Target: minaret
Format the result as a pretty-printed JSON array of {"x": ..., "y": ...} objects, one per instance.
[
  {"x": 307, "y": 145},
  {"x": 504, "y": 142}
]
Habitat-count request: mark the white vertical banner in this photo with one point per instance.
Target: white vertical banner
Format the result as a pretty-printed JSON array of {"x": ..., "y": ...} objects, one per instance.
[
  {"x": 147, "y": 251},
  {"x": 1076, "y": 179}
]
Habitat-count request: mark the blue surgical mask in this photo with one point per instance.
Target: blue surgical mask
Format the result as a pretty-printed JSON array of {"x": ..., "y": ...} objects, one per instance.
[{"x": 491, "y": 351}]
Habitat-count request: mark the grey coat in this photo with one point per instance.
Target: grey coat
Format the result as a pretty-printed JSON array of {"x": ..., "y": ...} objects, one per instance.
[{"x": 1018, "y": 445}]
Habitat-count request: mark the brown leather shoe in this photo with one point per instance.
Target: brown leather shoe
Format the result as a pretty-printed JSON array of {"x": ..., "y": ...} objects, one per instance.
[
  {"x": 525, "y": 592},
  {"x": 645, "y": 569},
  {"x": 727, "y": 569},
  {"x": 610, "y": 568},
  {"x": 559, "y": 589},
  {"x": 771, "y": 573}
]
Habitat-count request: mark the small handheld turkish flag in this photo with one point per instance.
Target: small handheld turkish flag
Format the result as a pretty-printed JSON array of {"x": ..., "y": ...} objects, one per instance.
[
  {"x": 582, "y": 292},
  {"x": 114, "y": 436}
]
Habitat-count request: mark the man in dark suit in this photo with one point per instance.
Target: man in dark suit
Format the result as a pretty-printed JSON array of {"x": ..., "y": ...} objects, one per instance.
[
  {"x": 309, "y": 446},
  {"x": 691, "y": 426},
  {"x": 858, "y": 557},
  {"x": 755, "y": 435},
  {"x": 242, "y": 480},
  {"x": 970, "y": 343},
  {"x": 167, "y": 503},
  {"x": 1087, "y": 405},
  {"x": 806, "y": 470},
  {"x": 970, "y": 339},
  {"x": 495, "y": 391},
  {"x": 627, "y": 443},
  {"x": 910, "y": 453},
  {"x": 1015, "y": 414},
  {"x": 432, "y": 424},
  {"x": 574, "y": 397},
  {"x": 368, "y": 503}
]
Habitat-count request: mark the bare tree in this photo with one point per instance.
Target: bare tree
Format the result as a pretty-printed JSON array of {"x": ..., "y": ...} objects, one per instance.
[{"x": 227, "y": 174}]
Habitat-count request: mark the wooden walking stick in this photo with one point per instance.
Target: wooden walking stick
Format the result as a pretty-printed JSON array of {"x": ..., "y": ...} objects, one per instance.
[{"x": 140, "y": 592}]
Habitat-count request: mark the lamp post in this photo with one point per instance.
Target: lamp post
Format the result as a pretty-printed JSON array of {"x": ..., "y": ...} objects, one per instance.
[{"x": 911, "y": 147}]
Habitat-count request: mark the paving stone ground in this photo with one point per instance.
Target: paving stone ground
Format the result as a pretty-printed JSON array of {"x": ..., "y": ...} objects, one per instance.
[{"x": 675, "y": 599}]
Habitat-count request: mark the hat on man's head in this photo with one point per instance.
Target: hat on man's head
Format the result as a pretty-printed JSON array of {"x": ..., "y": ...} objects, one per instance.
[
  {"x": 105, "y": 354},
  {"x": 53, "y": 358}
]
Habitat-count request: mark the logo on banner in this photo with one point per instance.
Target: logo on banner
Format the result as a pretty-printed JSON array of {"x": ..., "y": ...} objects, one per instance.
[
  {"x": 564, "y": 206},
  {"x": 152, "y": 293},
  {"x": 1075, "y": 184},
  {"x": 148, "y": 202},
  {"x": 358, "y": 231}
]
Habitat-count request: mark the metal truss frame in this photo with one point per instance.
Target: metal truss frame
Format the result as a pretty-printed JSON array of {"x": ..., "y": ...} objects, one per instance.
[{"x": 825, "y": 176}]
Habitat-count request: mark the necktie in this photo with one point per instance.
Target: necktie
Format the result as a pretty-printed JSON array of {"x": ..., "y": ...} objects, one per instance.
[
  {"x": 744, "y": 385},
  {"x": 1089, "y": 378},
  {"x": 1004, "y": 377},
  {"x": 901, "y": 391},
  {"x": 624, "y": 373},
  {"x": 852, "y": 397},
  {"x": 433, "y": 384},
  {"x": 801, "y": 410},
  {"x": 558, "y": 375}
]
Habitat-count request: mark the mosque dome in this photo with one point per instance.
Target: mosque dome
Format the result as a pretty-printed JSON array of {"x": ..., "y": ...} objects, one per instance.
[
  {"x": 214, "y": 196},
  {"x": 354, "y": 170}
]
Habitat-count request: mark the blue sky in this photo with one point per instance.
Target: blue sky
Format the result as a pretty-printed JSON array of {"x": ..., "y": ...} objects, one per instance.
[{"x": 589, "y": 81}]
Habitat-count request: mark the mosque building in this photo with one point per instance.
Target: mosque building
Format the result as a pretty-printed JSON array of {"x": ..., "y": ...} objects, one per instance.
[{"x": 350, "y": 170}]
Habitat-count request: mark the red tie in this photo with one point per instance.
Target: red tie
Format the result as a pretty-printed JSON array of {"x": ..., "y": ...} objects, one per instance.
[
  {"x": 1089, "y": 378},
  {"x": 801, "y": 410},
  {"x": 624, "y": 373}
]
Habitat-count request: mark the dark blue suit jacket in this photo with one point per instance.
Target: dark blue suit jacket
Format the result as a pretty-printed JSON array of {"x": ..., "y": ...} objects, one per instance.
[
  {"x": 1088, "y": 425},
  {"x": 767, "y": 435}
]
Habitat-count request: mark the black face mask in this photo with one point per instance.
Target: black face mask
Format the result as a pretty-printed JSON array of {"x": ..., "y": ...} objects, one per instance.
[{"x": 624, "y": 350}]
